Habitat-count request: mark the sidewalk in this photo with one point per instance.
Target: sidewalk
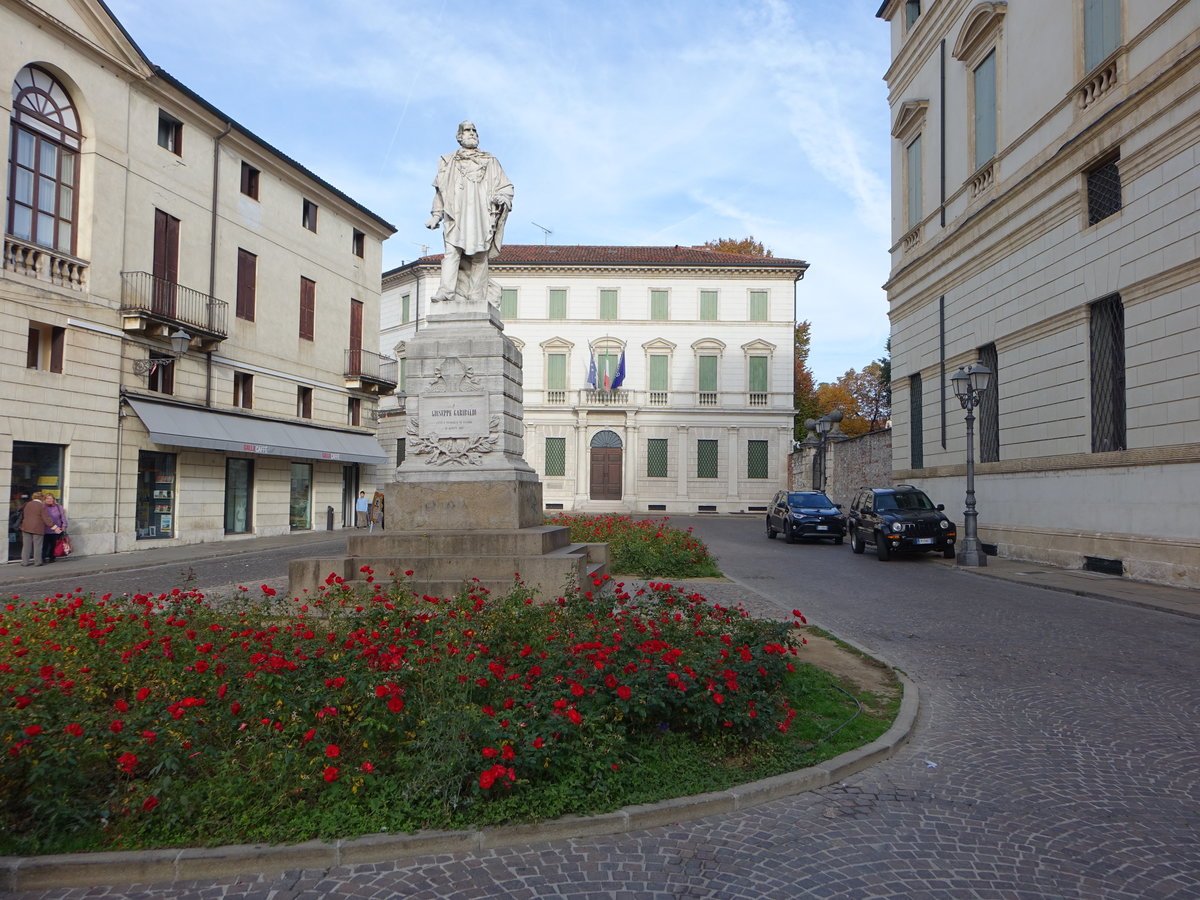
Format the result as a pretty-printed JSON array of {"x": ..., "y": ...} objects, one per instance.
[{"x": 1181, "y": 601}]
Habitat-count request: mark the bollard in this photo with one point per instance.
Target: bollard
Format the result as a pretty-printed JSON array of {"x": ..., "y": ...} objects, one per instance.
[{"x": 329, "y": 518}]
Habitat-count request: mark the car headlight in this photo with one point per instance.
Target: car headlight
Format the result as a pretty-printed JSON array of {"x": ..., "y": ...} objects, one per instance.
[
  {"x": 899, "y": 526},
  {"x": 945, "y": 524}
]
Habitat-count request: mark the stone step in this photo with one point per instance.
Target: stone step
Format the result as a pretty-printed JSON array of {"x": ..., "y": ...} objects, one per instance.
[{"x": 536, "y": 540}]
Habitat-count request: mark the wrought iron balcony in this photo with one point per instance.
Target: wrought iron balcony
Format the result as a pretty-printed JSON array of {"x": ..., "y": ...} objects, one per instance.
[
  {"x": 156, "y": 306},
  {"x": 44, "y": 264},
  {"x": 367, "y": 371}
]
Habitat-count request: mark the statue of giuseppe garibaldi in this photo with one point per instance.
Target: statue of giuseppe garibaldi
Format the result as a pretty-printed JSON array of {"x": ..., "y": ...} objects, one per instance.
[{"x": 471, "y": 200}]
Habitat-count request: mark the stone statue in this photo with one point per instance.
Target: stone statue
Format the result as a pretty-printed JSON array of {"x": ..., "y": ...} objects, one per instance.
[{"x": 471, "y": 200}]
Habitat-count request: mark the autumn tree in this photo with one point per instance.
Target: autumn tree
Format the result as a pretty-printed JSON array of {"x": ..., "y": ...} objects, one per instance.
[{"x": 746, "y": 246}]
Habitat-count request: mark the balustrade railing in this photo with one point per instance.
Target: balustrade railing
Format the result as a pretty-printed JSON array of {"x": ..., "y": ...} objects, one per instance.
[
  {"x": 371, "y": 366},
  {"x": 44, "y": 264},
  {"x": 171, "y": 302}
]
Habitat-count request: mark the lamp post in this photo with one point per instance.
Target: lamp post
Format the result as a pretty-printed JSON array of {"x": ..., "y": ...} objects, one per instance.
[
  {"x": 821, "y": 428},
  {"x": 969, "y": 385}
]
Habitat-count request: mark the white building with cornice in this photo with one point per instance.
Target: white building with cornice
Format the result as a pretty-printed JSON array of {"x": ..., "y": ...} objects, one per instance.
[
  {"x": 657, "y": 380},
  {"x": 1045, "y": 221}
]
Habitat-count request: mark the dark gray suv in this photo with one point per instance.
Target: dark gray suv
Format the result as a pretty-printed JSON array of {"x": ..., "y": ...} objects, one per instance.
[
  {"x": 898, "y": 519},
  {"x": 805, "y": 514}
]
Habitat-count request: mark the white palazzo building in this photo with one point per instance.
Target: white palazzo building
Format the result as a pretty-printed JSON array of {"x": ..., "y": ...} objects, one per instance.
[{"x": 656, "y": 379}]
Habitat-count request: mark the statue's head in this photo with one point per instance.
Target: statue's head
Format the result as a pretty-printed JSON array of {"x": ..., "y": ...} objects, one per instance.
[{"x": 467, "y": 135}]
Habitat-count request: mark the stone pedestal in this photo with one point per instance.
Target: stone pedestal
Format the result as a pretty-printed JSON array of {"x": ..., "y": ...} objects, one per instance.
[{"x": 465, "y": 503}]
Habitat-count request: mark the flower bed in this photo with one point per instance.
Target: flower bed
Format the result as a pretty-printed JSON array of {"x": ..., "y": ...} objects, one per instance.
[{"x": 649, "y": 548}]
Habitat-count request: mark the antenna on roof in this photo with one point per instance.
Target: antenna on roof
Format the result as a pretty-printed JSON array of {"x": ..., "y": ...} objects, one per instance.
[
  {"x": 548, "y": 232},
  {"x": 424, "y": 248}
]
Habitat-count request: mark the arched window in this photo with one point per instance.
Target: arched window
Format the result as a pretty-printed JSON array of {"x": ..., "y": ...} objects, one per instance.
[{"x": 43, "y": 163}]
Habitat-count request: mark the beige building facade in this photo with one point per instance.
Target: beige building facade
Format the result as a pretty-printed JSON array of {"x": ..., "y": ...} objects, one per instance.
[
  {"x": 657, "y": 380},
  {"x": 137, "y": 213},
  {"x": 1044, "y": 196}
]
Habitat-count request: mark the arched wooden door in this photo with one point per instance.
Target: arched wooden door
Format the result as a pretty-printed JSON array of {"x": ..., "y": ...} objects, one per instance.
[{"x": 606, "y": 466}]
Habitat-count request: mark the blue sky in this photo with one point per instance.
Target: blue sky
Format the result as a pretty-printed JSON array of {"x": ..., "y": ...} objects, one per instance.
[{"x": 653, "y": 122}]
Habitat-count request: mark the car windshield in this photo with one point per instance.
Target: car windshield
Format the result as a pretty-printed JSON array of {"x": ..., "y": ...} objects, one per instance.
[
  {"x": 903, "y": 500},
  {"x": 809, "y": 500}
]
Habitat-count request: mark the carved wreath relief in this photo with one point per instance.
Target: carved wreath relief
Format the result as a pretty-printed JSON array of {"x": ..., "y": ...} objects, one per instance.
[{"x": 454, "y": 426}]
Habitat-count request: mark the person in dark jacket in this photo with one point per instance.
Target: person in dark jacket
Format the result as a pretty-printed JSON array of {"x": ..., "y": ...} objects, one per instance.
[{"x": 34, "y": 523}]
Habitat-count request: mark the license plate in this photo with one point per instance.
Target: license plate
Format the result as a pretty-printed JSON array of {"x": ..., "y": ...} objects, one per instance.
[
  {"x": 924, "y": 540},
  {"x": 822, "y": 528}
]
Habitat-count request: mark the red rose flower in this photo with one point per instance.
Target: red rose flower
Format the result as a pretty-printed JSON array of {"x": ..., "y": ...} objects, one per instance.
[
  {"x": 33, "y": 730},
  {"x": 74, "y": 729},
  {"x": 331, "y": 774},
  {"x": 624, "y": 692},
  {"x": 150, "y": 803},
  {"x": 115, "y": 726},
  {"x": 332, "y": 751}
]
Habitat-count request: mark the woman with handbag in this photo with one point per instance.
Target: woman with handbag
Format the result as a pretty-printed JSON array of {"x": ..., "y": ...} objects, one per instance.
[{"x": 55, "y": 533}]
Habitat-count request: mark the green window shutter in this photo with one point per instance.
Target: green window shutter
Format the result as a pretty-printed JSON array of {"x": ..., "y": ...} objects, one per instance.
[
  {"x": 660, "y": 372},
  {"x": 706, "y": 459},
  {"x": 608, "y": 304},
  {"x": 708, "y": 306},
  {"x": 402, "y": 374},
  {"x": 556, "y": 371},
  {"x": 508, "y": 303},
  {"x": 756, "y": 459},
  {"x": 913, "y": 173},
  {"x": 758, "y": 374},
  {"x": 405, "y": 309},
  {"x": 656, "y": 458},
  {"x": 985, "y": 110},
  {"x": 606, "y": 364},
  {"x": 758, "y": 306},
  {"x": 556, "y": 456},
  {"x": 558, "y": 304},
  {"x": 707, "y": 370},
  {"x": 658, "y": 306},
  {"x": 1101, "y": 30}
]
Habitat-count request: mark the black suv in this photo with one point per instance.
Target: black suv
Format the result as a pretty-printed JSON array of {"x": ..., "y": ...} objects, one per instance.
[
  {"x": 805, "y": 514},
  {"x": 898, "y": 519}
]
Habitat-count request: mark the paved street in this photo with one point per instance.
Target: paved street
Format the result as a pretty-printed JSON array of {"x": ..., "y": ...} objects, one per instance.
[{"x": 1057, "y": 755}]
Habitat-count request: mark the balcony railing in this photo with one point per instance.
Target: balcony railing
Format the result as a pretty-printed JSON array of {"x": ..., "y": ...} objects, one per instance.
[
  {"x": 556, "y": 397},
  {"x": 165, "y": 301},
  {"x": 604, "y": 398},
  {"x": 370, "y": 371},
  {"x": 757, "y": 399},
  {"x": 44, "y": 264},
  {"x": 706, "y": 398}
]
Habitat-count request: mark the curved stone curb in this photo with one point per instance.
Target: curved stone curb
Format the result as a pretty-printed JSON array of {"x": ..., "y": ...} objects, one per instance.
[{"x": 156, "y": 866}]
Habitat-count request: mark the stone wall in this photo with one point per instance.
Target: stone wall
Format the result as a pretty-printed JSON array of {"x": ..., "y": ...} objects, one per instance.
[{"x": 850, "y": 464}]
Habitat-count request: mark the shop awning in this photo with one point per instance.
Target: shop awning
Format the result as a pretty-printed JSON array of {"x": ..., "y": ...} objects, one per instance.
[{"x": 181, "y": 426}]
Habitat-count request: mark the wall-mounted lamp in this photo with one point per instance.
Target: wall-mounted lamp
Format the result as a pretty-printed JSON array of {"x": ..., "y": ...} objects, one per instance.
[{"x": 179, "y": 345}]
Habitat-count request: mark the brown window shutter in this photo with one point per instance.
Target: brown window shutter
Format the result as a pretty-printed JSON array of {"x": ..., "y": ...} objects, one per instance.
[
  {"x": 308, "y": 308},
  {"x": 246, "y": 277},
  {"x": 31, "y": 349},
  {"x": 58, "y": 342}
]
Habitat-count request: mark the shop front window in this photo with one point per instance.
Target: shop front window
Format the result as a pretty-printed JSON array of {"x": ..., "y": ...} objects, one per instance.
[
  {"x": 239, "y": 487},
  {"x": 155, "y": 495},
  {"x": 300, "y": 509},
  {"x": 35, "y": 467}
]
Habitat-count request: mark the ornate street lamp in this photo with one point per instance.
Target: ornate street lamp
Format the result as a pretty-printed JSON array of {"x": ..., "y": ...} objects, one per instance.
[
  {"x": 969, "y": 385},
  {"x": 179, "y": 345},
  {"x": 821, "y": 428}
]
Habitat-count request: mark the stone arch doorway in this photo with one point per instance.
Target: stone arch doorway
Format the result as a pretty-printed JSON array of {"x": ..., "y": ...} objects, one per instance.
[{"x": 606, "y": 451}]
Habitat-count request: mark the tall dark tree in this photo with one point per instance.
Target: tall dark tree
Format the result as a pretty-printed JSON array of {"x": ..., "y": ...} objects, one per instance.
[{"x": 804, "y": 384}]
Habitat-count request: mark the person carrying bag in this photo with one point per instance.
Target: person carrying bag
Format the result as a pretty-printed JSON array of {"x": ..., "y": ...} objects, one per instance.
[{"x": 55, "y": 544}]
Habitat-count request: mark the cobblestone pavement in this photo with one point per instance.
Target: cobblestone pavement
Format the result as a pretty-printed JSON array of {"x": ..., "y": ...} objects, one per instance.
[{"x": 1057, "y": 755}]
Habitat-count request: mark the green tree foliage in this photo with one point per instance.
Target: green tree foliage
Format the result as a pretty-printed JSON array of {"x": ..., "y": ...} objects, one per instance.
[
  {"x": 804, "y": 384},
  {"x": 746, "y": 246}
]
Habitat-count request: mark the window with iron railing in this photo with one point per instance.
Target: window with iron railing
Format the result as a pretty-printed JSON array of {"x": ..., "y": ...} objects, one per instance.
[
  {"x": 1103, "y": 190},
  {"x": 1107, "y": 339},
  {"x": 706, "y": 459},
  {"x": 757, "y": 459},
  {"x": 916, "y": 423},
  {"x": 556, "y": 456},
  {"x": 989, "y": 407},
  {"x": 656, "y": 458}
]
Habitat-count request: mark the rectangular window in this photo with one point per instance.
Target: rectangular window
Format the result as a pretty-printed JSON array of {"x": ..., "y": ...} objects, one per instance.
[
  {"x": 508, "y": 303},
  {"x": 985, "y": 110},
  {"x": 556, "y": 456},
  {"x": 659, "y": 378},
  {"x": 912, "y": 172},
  {"x": 405, "y": 309},
  {"x": 239, "y": 496},
  {"x": 558, "y": 304},
  {"x": 402, "y": 375},
  {"x": 1103, "y": 190},
  {"x": 758, "y": 374},
  {"x": 708, "y": 306},
  {"x": 1101, "y": 31},
  {"x": 706, "y": 459},
  {"x": 656, "y": 457},
  {"x": 608, "y": 305},
  {"x": 250, "y": 180},
  {"x": 161, "y": 377},
  {"x": 42, "y": 198},
  {"x": 308, "y": 308},
  {"x": 354, "y": 343},
  {"x": 658, "y": 306},
  {"x": 247, "y": 284},
  {"x": 300, "y": 507},
  {"x": 354, "y": 412},
  {"x": 758, "y": 306},
  {"x": 1107, "y": 338},
  {"x": 155, "y": 512},
  {"x": 243, "y": 390},
  {"x": 912, "y": 12},
  {"x": 989, "y": 408},
  {"x": 757, "y": 459},
  {"x": 358, "y": 244},
  {"x": 170, "y": 133},
  {"x": 304, "y": 397},
  {"x": 916, "y": 424},
  {"x": 556, "y": 371},
  {"x": 308, "y": 217},
  {"x": 401, "y": 451},
  {"x": 706, "y": 369},
  {"x": 45, "y": 347}
]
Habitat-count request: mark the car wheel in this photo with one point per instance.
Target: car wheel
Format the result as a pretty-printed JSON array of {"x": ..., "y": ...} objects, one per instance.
[
  {"x": 771, "y": 532},
  {"x": 948, "y": 552},
  {"x": 882, "y": 551},
  {"x": 856, "y": 544},
  {"x": 788, "y": 534}
]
